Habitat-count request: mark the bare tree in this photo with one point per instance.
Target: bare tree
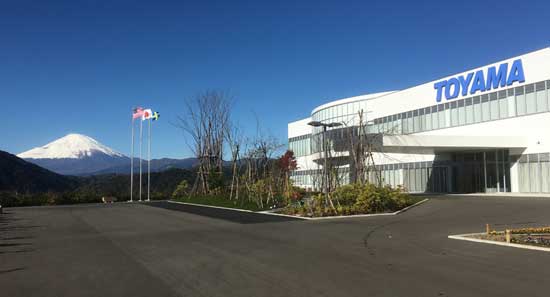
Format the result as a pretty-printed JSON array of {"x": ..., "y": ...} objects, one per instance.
[
  {"x": 206, "y": 120},
  {"x": 260, "y": 178},
  {"x": 234, "y": 139},
  {"x": 360, "y": 145}
]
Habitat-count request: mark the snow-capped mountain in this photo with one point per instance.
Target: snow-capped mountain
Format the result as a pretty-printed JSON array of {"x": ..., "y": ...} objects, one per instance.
[
  {"x": 75, "y": 154},
  {"x": 72, "y": 146}
]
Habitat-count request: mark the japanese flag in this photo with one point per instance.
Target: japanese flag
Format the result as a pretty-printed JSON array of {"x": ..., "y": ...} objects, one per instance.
[{"x": 147, "y": 114}]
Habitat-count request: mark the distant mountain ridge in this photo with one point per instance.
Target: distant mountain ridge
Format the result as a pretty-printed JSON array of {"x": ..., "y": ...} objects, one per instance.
[
  {"x": 157, "y": 165},
  {"x": 19, "y": 175},
  {"x": 81, "y": 155}
]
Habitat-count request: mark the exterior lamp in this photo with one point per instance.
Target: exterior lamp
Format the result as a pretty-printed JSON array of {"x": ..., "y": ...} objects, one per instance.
[{"x": 325, "y": 172}]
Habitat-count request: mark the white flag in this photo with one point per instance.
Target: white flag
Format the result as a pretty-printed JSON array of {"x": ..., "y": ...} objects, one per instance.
[{"x": 147, "y": 114}]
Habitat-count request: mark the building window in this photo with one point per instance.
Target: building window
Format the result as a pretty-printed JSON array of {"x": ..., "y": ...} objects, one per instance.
[
  {"x": 469, "y": 110},
  {"x": 428, "y": 115},
  {"x": 461, "y": 113},
  {"x": 530, "y": 100},
  {"x": 399, "y": 125},
  {"x": 454, "y": 114},
  {"x": 410, "y": 122},
  {"x": 441, "y": 114},
  {"x": 493, "y": 104},
  {"x": 405, "y": 123},
  {"x": 477, "y": 109},
  {"x": 447, "y": 115},
  {"x": 422, "y": 120},
  {"x": 394, "y": 126},
  {"x": 503, "y": 104},
  {"x": 416, "y": 121},
  {"x": 542, "y": 103},
  {"x": 520, "y": 101},
  {"x": 511, "y": 103},
  {"x": 485, "y": 108},
  {"x": 435, "y": 118}
]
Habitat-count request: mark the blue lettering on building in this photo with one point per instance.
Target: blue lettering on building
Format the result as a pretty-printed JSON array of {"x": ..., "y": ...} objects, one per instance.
[
  {"x": 480, "y": 81},
  {"x": 455, "y": 84},
  {"x": 478, "y": 84},
  {"x": 465, "y": 82},
  {"x": 495, "y": 79}
]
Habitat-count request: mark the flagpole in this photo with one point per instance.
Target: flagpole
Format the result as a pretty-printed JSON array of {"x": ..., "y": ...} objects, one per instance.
[
  {"x": 140, "y": 146},
  {"x": 132, "y": 164},
  {"x": 149, "y": 165}
]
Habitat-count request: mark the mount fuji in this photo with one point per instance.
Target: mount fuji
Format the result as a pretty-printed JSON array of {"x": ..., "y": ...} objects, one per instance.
[{"x": 75, "y": 154}]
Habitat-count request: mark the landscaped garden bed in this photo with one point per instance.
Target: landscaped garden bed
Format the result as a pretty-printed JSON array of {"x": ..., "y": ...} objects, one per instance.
[
  {"x": 537, "y": 236},
  {"x": 353, "y": 199}
]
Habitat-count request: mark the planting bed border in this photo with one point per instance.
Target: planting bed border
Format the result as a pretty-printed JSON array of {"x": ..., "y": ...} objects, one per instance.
[
  {"x": 273, "y": 213},
  {"x": 358, "y": 215},
  {"x": 467, "y": 237}
]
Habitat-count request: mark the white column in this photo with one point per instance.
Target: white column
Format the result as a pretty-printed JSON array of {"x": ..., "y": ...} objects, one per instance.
[
  {"x": 149, "y": 164},
  {"x": 132, "y": 164},
  {"x": 140, "y": 156}
]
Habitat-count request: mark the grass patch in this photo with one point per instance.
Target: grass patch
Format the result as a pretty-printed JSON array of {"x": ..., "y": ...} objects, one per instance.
[{"x": 220, "y": 201}]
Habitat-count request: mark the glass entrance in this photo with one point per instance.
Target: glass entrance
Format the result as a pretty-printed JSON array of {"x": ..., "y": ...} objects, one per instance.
[{"x": 482, "y": 172}]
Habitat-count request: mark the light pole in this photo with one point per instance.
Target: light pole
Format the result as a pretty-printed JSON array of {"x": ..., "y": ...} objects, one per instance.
[{"x": 325, "y": 172}]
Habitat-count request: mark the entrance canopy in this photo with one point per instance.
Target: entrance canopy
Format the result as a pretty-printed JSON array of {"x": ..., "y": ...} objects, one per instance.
[{"x": 431, "y": 144}]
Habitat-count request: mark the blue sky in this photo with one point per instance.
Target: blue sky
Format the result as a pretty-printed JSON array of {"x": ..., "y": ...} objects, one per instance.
[{"x": 80, "y": 66}]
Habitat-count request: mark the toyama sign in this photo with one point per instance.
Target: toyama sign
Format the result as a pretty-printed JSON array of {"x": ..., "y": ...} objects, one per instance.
[{"x": 480, "y": 81}]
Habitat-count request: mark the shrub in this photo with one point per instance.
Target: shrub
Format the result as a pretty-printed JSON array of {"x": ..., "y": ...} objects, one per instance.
[
  {"x": 353, "y": 199},
  {"x": 370, "y": 198},
  {"x": 215, "y": 182},
  {"x": 297, "y": 193},
  {"x": 181, "y": 189},
  {"x": 540, "y": 230}
]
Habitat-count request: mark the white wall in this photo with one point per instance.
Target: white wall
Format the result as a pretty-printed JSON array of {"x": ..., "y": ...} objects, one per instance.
[{"x": 299, "y": 128}]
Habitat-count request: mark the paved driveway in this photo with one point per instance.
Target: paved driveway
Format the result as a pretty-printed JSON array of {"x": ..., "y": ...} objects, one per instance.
[{"x": 138, "y": 250}]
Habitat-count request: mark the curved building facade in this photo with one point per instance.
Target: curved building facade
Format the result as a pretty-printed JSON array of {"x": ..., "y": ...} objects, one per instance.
[{"x": 482, "y": 130}]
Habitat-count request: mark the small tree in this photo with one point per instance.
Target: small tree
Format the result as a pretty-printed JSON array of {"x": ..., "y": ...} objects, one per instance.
[
  {"x": 287, "y": 163},
  {"x": 181, "y": 190}
]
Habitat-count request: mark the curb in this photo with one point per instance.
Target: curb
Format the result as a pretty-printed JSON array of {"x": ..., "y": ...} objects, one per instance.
[
  {"x": 305, "y": 218},
  {"x": 210, "y": 206},
  {"x": 236, "y": 209},
  {"x": 369, "y": 215},
  {"x": 515, "y": 245}
]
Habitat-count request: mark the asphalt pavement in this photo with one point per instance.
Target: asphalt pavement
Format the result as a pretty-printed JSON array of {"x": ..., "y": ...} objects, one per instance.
[{"x": 135, "y": 250}]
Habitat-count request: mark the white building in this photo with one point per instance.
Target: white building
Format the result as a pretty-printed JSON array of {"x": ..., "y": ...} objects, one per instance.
[{"x": 482, "y": 130}]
